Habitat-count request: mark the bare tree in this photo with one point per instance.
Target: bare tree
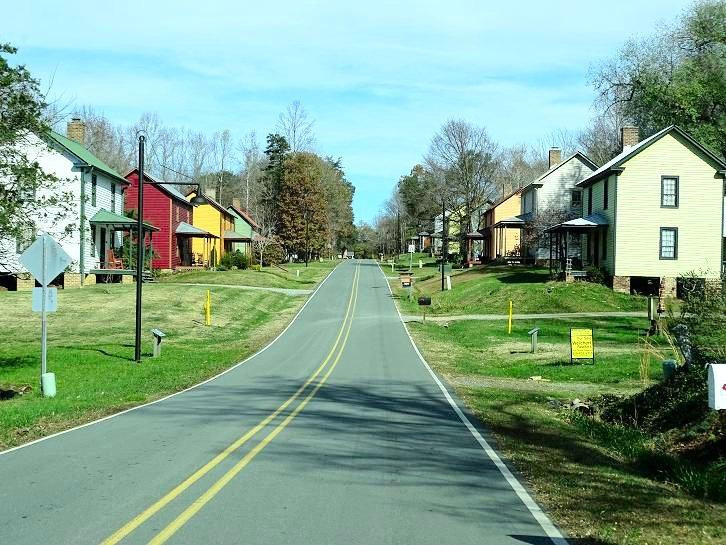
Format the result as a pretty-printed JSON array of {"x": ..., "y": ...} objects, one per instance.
[
  {"x": 297, "y": 128},
  {"x": 251, "y": 164},
  {"x": 467, "y": 160},
  {"x": 221, "y": 152}
]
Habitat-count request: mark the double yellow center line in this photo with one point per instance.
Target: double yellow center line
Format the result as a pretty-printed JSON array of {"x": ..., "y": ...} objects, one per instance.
[{"x": 335, "y": 354}]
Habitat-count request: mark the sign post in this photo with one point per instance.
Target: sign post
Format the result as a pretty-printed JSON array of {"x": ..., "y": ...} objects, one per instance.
[
  {"x": 582, "y": 346},
  {"x": 411, "y": 250},
  {"x": 45, "y": 260}
]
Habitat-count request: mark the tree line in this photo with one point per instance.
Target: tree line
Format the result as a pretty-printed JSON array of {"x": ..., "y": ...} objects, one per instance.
[
  {"x": 676, "y": 76},
  {"x": 301, "y": 200}
]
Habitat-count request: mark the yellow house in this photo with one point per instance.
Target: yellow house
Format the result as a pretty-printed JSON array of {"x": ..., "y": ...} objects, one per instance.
[
  {"x": 502, "y": 228},
  {"x": 654, "y": 213},
  {"x": 213, "y": 218}
]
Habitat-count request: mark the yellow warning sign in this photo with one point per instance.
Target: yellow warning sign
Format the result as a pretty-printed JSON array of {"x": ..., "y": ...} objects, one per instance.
[{"x": 581, "y": 344}]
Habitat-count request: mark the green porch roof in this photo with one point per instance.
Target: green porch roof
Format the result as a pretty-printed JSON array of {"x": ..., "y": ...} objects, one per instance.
[
  {"x": 122, "y": 223},
  {"x": 86, "y": 156}
]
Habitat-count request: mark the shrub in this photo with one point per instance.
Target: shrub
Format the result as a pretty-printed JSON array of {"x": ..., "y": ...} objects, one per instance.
[
  {"x": 256, "y": 267},
  {"x": 234, "y": 260},
  {"x": 596, "y": 275}
]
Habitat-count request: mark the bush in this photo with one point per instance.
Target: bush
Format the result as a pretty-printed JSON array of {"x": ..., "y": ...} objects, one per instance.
[
  {"x": 596, "y": 275},
  {"x": 234, "y": 260},
  {"x": 256, "y": 267}
]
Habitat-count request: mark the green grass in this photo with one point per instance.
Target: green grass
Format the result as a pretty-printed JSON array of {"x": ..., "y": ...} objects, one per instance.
[
  {"x": 284, "y": 276},
  {"x": 90, "y": 349},
  {"x": 604, "y": 484},
  {"x": 484, "y": 348},
  {"x": 592, "y": 491},
  {"x": 488, "y": 290}
]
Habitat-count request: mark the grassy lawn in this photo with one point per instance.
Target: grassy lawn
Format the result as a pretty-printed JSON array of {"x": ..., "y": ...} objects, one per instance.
[
  {"x": 488, "y": 290},
  {"x": 90, "y": 349},
  {"x": 589, "y": 489},
  {"x": 595, "y": 479},
  {"x": 285, "y": 276},
  {"x": 484, "y": 348}
]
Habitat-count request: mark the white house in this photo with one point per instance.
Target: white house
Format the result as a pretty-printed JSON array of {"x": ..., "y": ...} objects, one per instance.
[
  {"x": 94, "y": 224},
  {"x": 555, "y": 191}
]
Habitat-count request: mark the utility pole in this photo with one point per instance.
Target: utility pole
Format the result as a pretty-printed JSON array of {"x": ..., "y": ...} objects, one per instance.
[{"x": 139, "y": 248}]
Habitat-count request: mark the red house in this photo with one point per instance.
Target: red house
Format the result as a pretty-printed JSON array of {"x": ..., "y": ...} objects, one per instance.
[{"x": 165, "y": 207}]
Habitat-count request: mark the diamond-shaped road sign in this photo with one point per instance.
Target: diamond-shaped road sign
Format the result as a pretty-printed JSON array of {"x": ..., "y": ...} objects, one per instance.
[{"x": 45, "y": 259}]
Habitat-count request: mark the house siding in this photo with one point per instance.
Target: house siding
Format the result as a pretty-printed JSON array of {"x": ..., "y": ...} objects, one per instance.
[
  {"x": 55, "y": 160},
  {"x": 504, "y": 241},
  {"x": 640, "y": 215},
  {"x": 597, "y": 208},
  {"x": 164, "y": 212},
  {"x": 211, "y": 219}
]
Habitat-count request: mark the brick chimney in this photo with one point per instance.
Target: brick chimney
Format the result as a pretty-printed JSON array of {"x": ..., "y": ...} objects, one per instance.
[
  {"x": 237, "y": 203},
  {"x": 629, "y": 136},
  {"x": 76, "y": 130},
  {"x": 555, "y": 157}
]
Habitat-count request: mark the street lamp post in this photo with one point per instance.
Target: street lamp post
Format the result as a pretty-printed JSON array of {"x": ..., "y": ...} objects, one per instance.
[
  {"x": 139, "y": 248},
  {"x": 140, "y": 239}
]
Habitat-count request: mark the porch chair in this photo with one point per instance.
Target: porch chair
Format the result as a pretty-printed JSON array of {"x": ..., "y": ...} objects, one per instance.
[{"x": 113, "y": 262}]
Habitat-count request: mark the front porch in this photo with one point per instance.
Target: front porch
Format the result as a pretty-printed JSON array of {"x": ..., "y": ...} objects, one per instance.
[
  {"x": 188, "y": 260},
  {"x": 117, "y": 254},
  {"x": 568, "y": 261}
]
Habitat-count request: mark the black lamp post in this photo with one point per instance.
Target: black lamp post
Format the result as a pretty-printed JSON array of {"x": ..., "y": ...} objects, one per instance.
[{"x": 140, "y": 238}]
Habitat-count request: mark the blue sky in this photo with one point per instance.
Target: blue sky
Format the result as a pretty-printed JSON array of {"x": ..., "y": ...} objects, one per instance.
[{"x": 379, "y": 78}]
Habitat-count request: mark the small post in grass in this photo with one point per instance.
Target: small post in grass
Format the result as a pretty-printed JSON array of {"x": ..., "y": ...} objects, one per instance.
[
  {"x": 510, "y": 318},
  {"x": 533, "y": 337},
  {"x": 424, "y": 301},
  {"x": 208, "y": 309}
]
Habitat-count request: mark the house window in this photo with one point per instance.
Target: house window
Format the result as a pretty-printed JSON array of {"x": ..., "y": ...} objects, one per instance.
[
  {"x": 93, "y": 241},
  {"x": 589, "y": 200},
  {"x": 113, "y": 198},
  {"x": 576, "y": 199},
  {"x": 669, "y": 192},
  {"x": 605, "y": 195},
  {"x": 669, "y": 243},
  {"x": 93, "y": 189}
]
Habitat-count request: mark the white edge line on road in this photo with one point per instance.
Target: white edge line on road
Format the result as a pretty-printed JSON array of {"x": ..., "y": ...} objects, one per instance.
[
  {"x": 549, "y": 528},
  {"x": 114, "y": 415}
]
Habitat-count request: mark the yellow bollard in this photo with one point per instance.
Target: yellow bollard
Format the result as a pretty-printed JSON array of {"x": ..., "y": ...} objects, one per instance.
[
  {"x": 510, "y": 317},
  {"x": 208, "y": 309}
]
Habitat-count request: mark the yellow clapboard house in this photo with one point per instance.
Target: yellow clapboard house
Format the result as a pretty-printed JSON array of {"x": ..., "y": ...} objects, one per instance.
[{"x": 213, "y": 218}]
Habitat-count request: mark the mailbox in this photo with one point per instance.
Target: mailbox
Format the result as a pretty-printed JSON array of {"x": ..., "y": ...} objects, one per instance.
[
  {"x": 717, "y": 386},
  {"x": 424, "y": 301},
  {"x": 406, "y": 280}
]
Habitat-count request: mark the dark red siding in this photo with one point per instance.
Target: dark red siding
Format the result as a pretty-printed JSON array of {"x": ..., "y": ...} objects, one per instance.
[{"x": 164, "y": 212}]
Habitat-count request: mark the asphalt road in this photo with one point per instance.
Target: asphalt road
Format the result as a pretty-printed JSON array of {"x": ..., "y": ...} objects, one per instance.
[{"x": 337, "y": 433}]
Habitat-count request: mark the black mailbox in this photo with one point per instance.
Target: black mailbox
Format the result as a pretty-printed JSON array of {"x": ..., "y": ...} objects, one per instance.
[{"x": 424, "y": 301}]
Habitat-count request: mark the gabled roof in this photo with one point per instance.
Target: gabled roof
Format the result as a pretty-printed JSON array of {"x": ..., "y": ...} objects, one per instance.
[
  {"x": 584, "y": 158},
  {"x": 503, "y": 199},
  {"x": 85, "y": 156},
  {"x": 170, "y": 190},
  {"x": 245, "y": 216},
  {"x": 211, "y": 201},
  {"x": 615, "y": 164}
]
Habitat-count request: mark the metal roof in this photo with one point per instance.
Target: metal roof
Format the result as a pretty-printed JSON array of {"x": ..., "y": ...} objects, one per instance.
[
  {"x": 115, "y": 221},
  {"x": 243, "y": 214},
  {"x": 84, "y": 155},
  {"x": 234, "y": 236},
  {"x": 588, "y": 222},
  {"x": 614, "y": 165},
  {"x": 189, "y": 230}
]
